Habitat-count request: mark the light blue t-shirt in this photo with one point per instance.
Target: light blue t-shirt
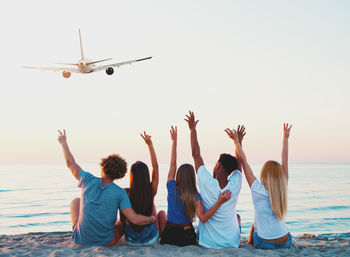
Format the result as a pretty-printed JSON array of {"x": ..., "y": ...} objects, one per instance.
[
  {"x": 98, "y": 210},
  {"x": 222, "y": 229},
  {"x": 266, "y": 223}
]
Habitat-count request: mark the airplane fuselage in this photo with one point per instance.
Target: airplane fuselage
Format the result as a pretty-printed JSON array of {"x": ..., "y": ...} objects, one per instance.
[{"x": 84, "y": 67}]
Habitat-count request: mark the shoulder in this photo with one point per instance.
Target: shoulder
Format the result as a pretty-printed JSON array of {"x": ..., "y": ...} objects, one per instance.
[
  {"x": 203, "y": 172},
  {"x": 171, "y": 184},
  {"x": 258, "y": 188},
  {"x": 236, "y": 175},
  {"x": 85, "y": 177}
]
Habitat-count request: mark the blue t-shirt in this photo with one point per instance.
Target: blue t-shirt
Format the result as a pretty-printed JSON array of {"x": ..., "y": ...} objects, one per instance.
[
  {"x": 98, "y": 210},
  {"x": 176, "y": 213}
]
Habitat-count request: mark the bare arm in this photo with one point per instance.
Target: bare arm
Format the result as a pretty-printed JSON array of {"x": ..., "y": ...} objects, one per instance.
[
  {"x": 196, "y": 152},
  {"x": 172, "y": 169},
  {"x": 249, "y": 175},
  {"x": 286, "y": 132},
  {"x": 155, "y": 168},
  {"x": 241, "y": 133},
  {"x": 137, "y": 219},
  {"x": 205, "y": 216},
  {"x": 70, "y": 161}
]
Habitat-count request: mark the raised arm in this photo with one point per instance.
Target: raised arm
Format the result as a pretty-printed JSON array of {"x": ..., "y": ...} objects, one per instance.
[
  {"x": 137, "y": 219},
  {"x": 241, "y": 133},
  {"x": 196, "y": 152},
  {"x": 249, "y": 175},
  {"x": 155, "y": 168},
  {"x": 172, "y": 169},
  {"x": 286, "y": 132},
  {"x": 70, "y": 161},
  {"x": 205, "y": 216}
]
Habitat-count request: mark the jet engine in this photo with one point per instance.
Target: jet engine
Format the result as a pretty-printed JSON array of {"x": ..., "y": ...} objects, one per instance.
[
  {"x": 66, "y": 74},
  {"x": 109, "y": 71}
]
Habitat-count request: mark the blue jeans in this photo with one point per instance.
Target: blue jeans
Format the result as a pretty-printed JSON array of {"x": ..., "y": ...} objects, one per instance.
[{"x": 261, "y": 243}]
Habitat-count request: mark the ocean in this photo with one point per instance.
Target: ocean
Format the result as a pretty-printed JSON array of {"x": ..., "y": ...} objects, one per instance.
[{"x": 35, "y": 197}]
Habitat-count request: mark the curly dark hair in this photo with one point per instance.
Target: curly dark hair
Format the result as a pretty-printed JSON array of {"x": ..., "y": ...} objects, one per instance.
[{"x": 114, "y": 166}]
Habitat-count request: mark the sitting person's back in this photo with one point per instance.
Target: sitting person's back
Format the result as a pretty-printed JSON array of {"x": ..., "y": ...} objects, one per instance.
[
  {"x": 222, "y": 229},
  {"x": 100, "y": 205},
  {"x": 141, "y": 194}
]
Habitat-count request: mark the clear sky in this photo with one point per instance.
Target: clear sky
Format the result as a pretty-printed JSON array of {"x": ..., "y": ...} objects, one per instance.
[{"x": 257, "y": 63}]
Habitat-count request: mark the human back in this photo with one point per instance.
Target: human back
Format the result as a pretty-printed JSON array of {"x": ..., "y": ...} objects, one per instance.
[
  {"x": 222, "y": 229},
  {"x": 141, "y": 193},
  {"x": 269, "y": 230},
  {"x": 100, "y": 205}
]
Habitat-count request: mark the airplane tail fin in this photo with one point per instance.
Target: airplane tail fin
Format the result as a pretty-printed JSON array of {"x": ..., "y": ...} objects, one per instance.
[{"x": 81, "y": 47}]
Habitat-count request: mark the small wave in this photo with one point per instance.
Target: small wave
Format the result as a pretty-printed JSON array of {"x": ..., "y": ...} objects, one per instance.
[
  {"x": 39, "y": 224},
  {"x": 325, "y": 208},
  {"x": 36, "y": 214}
]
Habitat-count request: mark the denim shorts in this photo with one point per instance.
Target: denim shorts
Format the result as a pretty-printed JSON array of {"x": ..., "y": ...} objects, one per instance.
[
  {"x": 149, "y": 235},
  {"x": 261, "y": 243}
]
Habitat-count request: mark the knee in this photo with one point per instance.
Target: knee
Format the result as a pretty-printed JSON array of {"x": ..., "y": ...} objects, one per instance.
[
  {"x": 161, "y": 214},
  {"x": 75, "y": 201}
]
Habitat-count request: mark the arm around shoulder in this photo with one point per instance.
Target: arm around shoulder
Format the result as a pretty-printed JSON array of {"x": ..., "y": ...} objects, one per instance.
[
  {"x": 137, "y": 219},
  {"x": 204, "y": 216}
]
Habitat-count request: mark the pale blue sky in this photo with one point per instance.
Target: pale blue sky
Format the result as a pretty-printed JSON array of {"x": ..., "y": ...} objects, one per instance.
[{"x": 259, "y": 63}]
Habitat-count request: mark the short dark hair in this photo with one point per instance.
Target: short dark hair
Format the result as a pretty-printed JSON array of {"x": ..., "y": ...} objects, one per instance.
[
  {"x": 229, "y": 162},
  {"x": 114, "y": 166}
]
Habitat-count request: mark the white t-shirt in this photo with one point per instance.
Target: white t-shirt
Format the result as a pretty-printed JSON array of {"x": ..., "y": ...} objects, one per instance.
[
  {"x": 266, "y": 223},
  {"x": 222, "y": 229}
]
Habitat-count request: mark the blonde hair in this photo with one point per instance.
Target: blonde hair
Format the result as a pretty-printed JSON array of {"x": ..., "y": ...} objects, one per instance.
[
  {"x": 275, "y": 183},
  {"x": 187, "y": 190}
]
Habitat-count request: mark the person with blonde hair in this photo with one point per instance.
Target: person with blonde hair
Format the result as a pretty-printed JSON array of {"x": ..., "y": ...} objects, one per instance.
[
  {"x": 184, "y": 203},
  {"x": 269, "y": 230}
]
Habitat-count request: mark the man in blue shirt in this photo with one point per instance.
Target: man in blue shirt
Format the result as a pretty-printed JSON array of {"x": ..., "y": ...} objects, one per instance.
[{"x": 94, "y": 215}]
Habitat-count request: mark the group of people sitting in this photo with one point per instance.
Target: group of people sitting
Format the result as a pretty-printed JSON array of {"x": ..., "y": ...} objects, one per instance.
[{"x": 94, "y": 215}]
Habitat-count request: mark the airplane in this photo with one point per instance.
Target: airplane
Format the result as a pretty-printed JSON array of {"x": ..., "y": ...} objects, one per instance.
[{"x": 86, "y": 66}]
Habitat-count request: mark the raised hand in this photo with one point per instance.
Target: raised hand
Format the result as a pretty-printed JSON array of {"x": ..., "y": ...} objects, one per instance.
[
  {"x": 225, "y": 196},
  {"x": 233, "y": 134},
  {"x": 241, "y": 132},
  {"x": 173, "y": 133},
  {"x": 192, "y": 123},
  {"x": 62, "y": 139},
  {"x": 286, "y": 130},
  {"x": 146, "y": 137}
]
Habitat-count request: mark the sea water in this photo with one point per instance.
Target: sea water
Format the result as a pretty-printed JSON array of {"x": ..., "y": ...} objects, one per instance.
[{"x": 35, "y": 197}]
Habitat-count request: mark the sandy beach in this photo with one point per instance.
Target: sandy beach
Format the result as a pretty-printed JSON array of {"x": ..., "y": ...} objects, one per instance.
[{"x": 60, "y": 244}]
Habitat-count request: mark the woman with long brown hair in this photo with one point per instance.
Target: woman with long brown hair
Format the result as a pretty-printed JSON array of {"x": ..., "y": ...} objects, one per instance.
[
  {"x": 183, "y": 203},
  {"x": 141, "y": 194},
  {"x": 269, "y": 230}
]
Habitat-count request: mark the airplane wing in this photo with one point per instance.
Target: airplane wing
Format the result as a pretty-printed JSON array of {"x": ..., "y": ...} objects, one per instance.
[
  {"x": 51, "y": 68},
  {"x": 119, "y": 64}
]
